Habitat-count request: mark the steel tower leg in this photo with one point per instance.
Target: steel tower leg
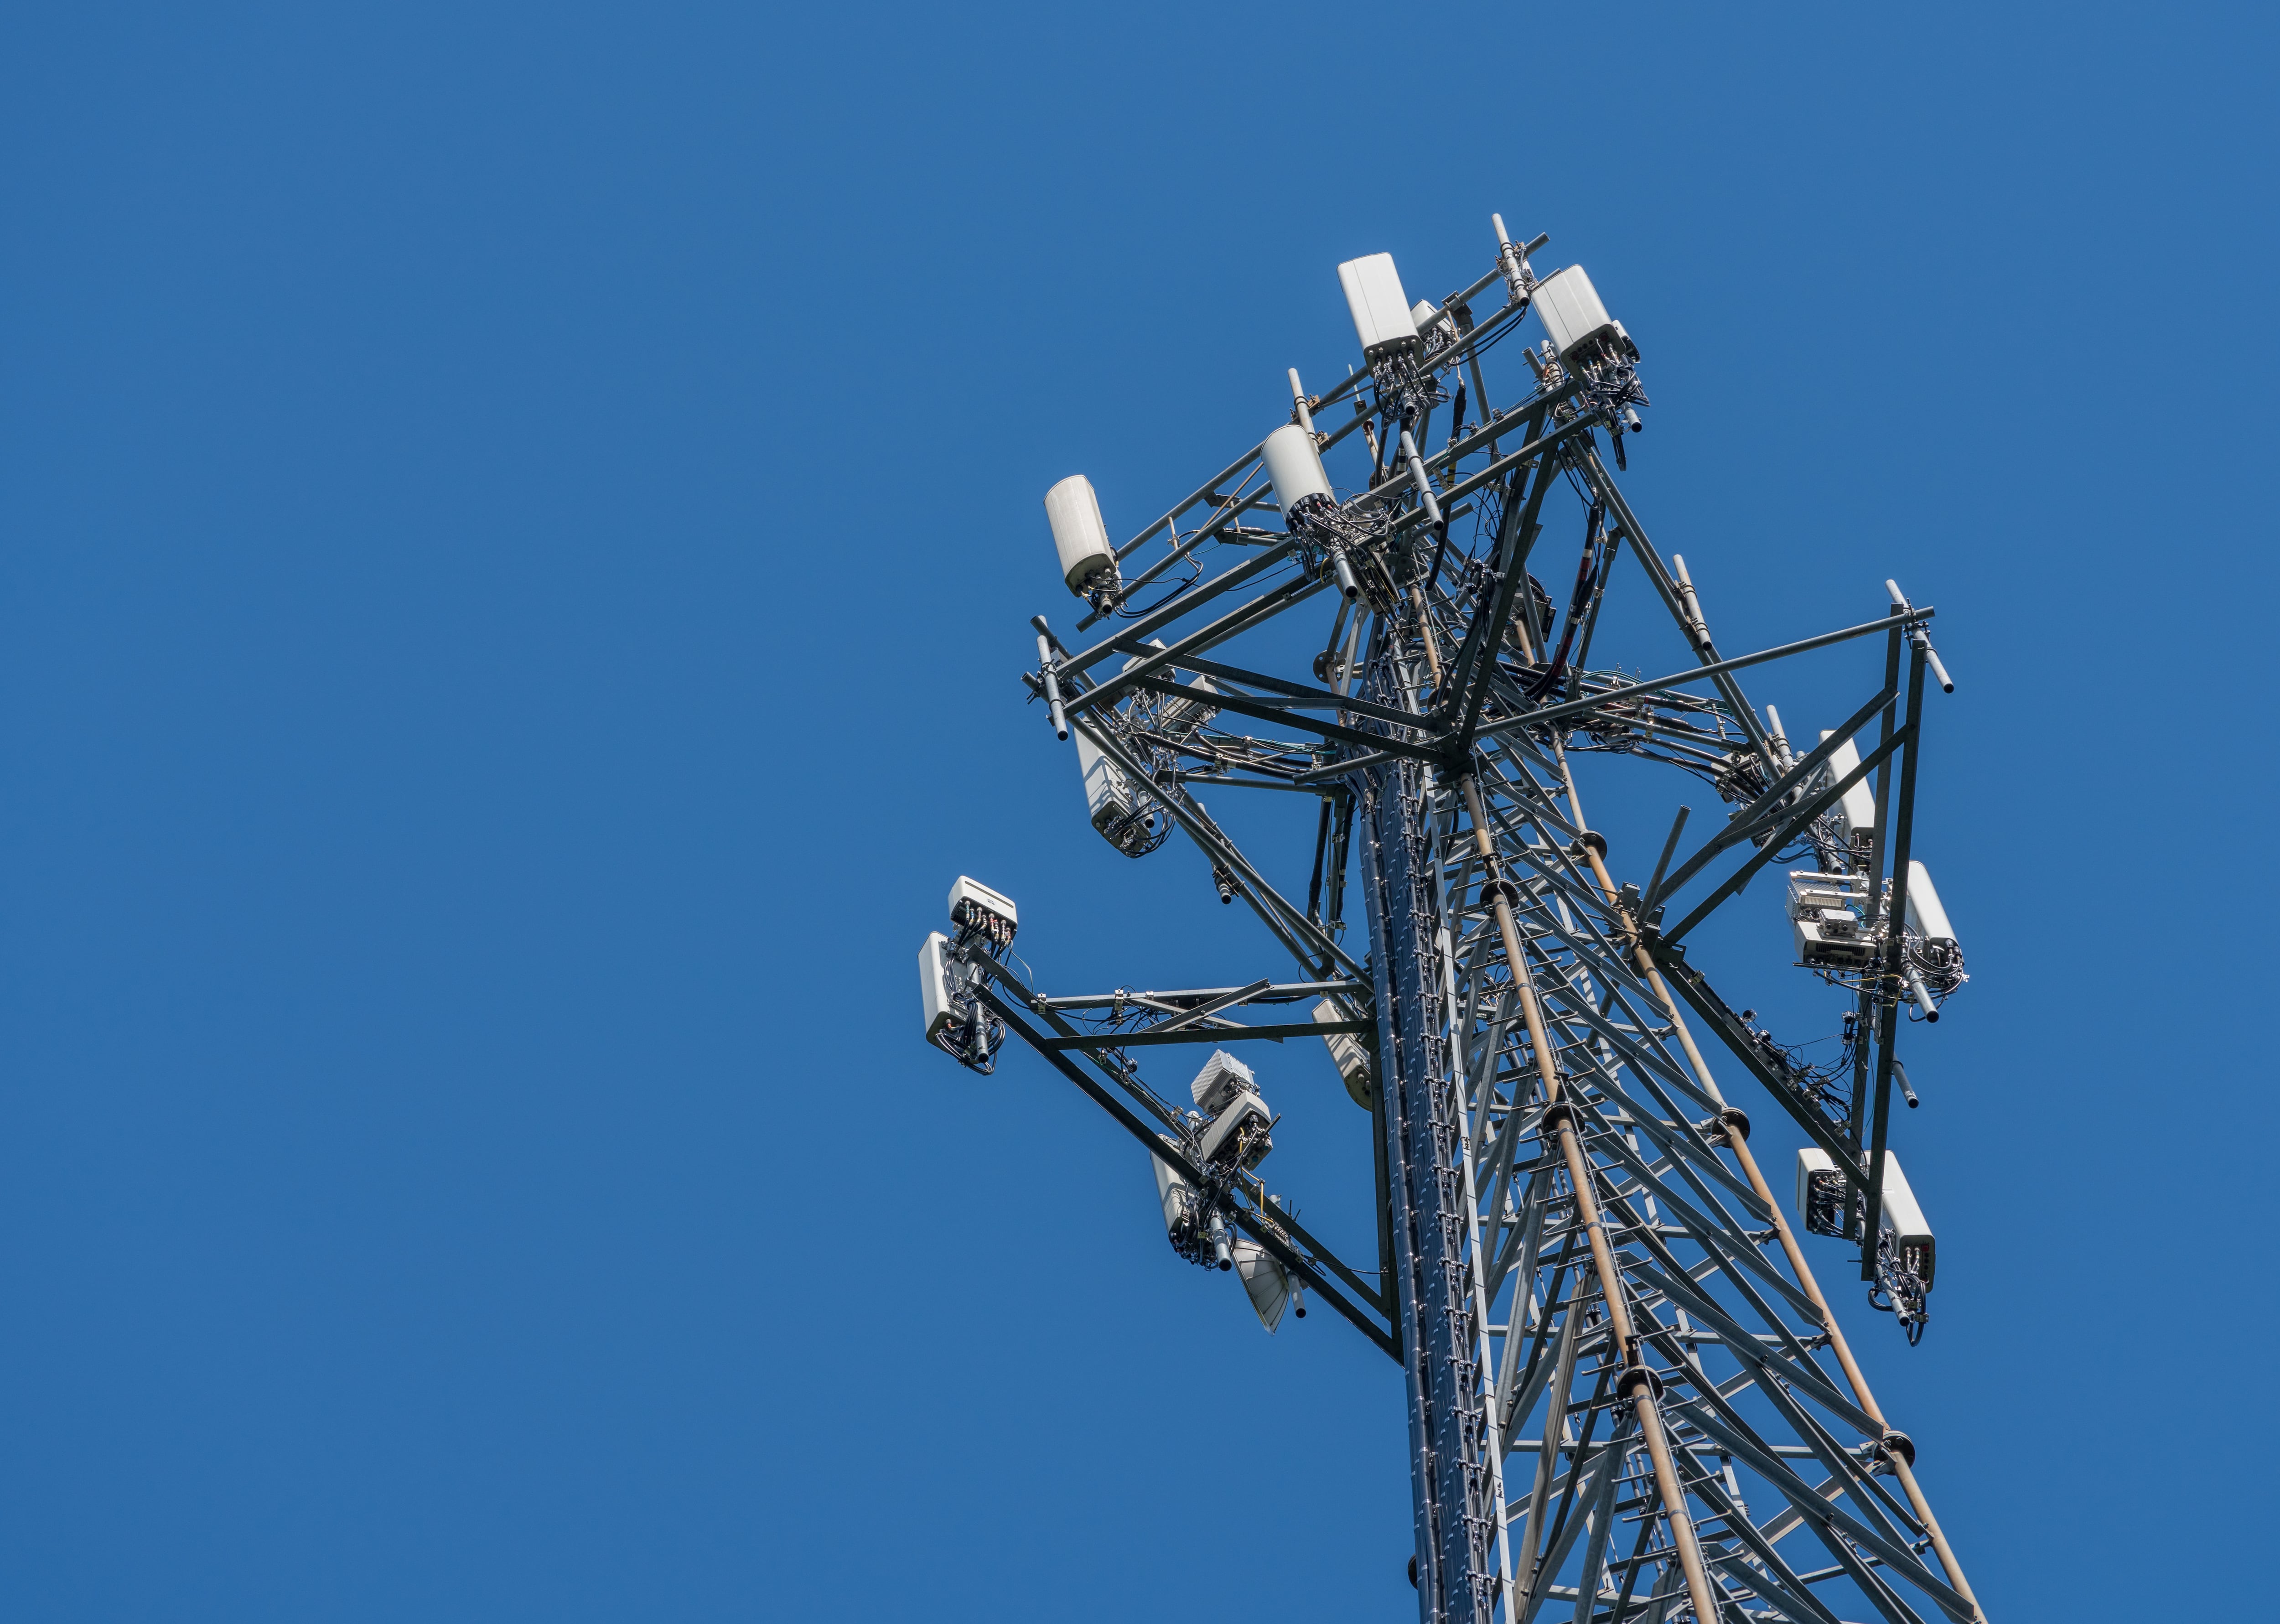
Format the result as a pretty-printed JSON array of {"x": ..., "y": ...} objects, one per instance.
[{"x": 1455, "y": 1509}]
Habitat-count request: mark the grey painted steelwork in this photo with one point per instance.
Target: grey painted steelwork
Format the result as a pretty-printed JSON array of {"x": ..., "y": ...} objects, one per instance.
[{"x": 1582, "y": 1271}]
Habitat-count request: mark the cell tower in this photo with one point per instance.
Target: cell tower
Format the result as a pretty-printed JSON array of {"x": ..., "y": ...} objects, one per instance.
[{"x": 1628, "y": 1397}]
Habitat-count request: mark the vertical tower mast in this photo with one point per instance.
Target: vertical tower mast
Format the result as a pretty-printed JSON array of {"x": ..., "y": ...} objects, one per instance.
[{"x": 1628, "y": 1396}]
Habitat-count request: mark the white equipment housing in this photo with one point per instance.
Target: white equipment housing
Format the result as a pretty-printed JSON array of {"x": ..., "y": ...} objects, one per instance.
[
  {"x": 1819, "y": 1184},
  {"x": 1348, "y": 1054},
  {"x": 1856, "y": 808},
  {"x": 1911, "y": 1234},
  {"x": 1268, "y": 1281},
  {"x": 935, "y": 989},
  {"x": 1829, "y": 918},
  {"x": 1570, "y": 310},
  {"x": 1381, "y": 309},
  {"x": 1177, "y": 1195},
  {"x": 1819, "y": 1193},
  {"x": 1926, "y": 917},
  {"x": 1222, "y": 1079},
  {"x": 1080, "y": 533},
  {"x": 972, "y": 903},
  {"x": 1227, "y": 1092},
  {"x": 1177, "y": 717},
  {"x": 1245, "y": 1108},
  {"x": 1425, "y": 316},
  {"x": 1294, "y": 468},
  {"x": 1107, "y": 796}
]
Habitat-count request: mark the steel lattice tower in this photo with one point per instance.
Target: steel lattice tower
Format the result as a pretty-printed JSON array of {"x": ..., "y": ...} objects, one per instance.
[{"x": 1628, "y": 1396}]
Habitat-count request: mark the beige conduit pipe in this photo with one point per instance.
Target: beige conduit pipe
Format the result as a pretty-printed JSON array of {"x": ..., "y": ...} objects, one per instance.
[
  {"x": 1899, "y": 1451},
  {"x": 1635, "y": 1382}
]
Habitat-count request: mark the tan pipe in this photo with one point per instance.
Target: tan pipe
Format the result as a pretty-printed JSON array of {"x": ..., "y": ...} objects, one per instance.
[
  {"x": 1897, "y": 1449},
  {"x": 1432, "y": 649},
  {"x": 1637, "y": 1380}
]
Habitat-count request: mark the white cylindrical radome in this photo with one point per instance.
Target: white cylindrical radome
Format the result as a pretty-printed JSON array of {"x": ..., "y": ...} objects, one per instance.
[
  {"x": 1294, "y": 468},
  {"x": 1924, "y": 912},
  {"x": 1080, "y": 533},
  {"x": 1268, "y": 1281}
]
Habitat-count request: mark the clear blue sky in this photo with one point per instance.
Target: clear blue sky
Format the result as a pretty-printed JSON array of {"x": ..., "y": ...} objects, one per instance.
[{"x": 519, "y": 528}]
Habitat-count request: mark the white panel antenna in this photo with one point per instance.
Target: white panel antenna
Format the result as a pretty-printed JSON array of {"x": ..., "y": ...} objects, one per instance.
[{"x": 1380, "y": 309}]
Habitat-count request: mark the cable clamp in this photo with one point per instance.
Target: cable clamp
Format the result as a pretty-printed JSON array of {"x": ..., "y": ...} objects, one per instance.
[{"x": 1638, "y": 1376}]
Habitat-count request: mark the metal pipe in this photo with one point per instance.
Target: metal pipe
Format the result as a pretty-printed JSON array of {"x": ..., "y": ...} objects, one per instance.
[
  {"x": 1637, "y": 1382},
  {"x": 1922, "y": 644},
  {"x": 1182, "y": 548},
  {"x": 1939, "y": 672},
  {"x": 1424, "y": 486},
  {"x": 1127, "y": 641},
  {"x": 1916, "y": 987},
  {"x": 1526, "y": 453},
  {"x": 1512, "y": 262},
  {"x": 1603, "y": 485},
  {"x": 1737, "y": 1128},
  {"x": 1654, "y": 885},
  {"x": 1432, "y": 644},
  {"x": 1781, "y": 751},
  {"x": 1696, "y": 625},
  {"x": 1306, "y": 419},
  {"x": 1580, "y": 707},
  {"x": 1053, "y": 687},
  {"x": 1498, "y": 428},
  {"x": 1555, "y": 1421},
  {"x": 1895, "y": 962}
]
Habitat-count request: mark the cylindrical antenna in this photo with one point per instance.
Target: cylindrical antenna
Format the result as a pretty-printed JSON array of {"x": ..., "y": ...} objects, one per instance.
[
  {"x": 1780, "y": 738},
  {"x": 1417, "y": 473},
  {"x": 1695, "y": 623},
  {"x": 1513, "y": 261}
]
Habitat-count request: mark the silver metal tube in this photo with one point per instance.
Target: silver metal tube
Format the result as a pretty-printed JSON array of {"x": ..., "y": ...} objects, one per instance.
[
  {"x": 1695, "y": 624},
  {"x": 1298, "y": 399},
  {"x": 1417, "y": 473},
  {"x": 1053, "y": 687}
]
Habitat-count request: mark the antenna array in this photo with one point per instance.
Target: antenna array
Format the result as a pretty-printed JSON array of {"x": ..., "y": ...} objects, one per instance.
[{"x": 1628, "y": 1397}]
